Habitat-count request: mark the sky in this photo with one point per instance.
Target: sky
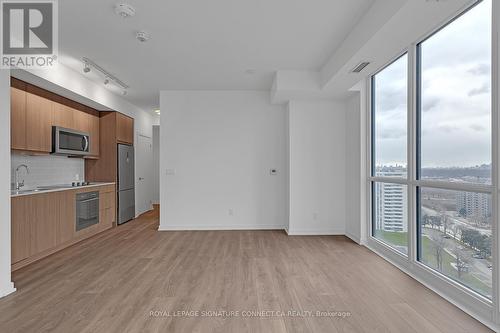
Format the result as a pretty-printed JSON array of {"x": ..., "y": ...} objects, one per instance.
[{"x": 456, "y": 97}]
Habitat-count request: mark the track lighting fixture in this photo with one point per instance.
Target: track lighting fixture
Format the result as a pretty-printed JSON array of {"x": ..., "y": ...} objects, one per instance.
[{"x": 108, "y": 77}]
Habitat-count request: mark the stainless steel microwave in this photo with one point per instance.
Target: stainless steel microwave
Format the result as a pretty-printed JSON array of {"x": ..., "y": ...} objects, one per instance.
[{"x": 70, "y": 142}]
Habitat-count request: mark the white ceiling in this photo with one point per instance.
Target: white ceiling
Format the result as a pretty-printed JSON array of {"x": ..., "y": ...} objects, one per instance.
[{"x": 203, "y": 44}]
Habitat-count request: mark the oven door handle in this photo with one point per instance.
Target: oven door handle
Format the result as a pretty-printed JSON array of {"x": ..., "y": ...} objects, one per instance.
[{"x": 88, "y": 200}]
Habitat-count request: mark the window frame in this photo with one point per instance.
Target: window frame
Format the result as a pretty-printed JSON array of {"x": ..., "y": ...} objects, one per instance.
[
  {"x": 373, "y": 179},
  {"x": 411, "y": 264}
]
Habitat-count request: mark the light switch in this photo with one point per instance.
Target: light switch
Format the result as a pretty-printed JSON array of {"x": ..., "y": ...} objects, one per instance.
[
  {"x": 170, "y": 172},
  {"x": 273, "y": 172}
]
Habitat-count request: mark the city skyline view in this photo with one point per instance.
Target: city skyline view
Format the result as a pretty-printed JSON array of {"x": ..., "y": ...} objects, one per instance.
[
  {"x": 455, "y": 228},
  {"x": 455, "y": 98}
]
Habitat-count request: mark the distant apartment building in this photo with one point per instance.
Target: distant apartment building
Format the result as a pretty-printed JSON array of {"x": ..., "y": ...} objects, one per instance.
[
  {"x": 474, "y": 205},
  {"x": 391, "y": 201}
]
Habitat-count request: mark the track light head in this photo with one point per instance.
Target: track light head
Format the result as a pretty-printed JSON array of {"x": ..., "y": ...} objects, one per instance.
[{"x": 86, "y": 68}]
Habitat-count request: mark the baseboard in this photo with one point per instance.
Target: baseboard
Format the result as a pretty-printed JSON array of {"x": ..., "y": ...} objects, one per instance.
[
  {"x": 312, "y": 232},
  {"x": 9, "y": 290},
  {"x": 220, "y": 227},
  {"x": 354, "y": 238}
]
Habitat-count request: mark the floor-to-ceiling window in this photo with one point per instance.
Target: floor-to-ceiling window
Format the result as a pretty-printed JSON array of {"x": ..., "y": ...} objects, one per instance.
[
  {"x": 389, "y": 130},
  {"x": 432, "y": 183},
  {"x": 454, "y": 150}
]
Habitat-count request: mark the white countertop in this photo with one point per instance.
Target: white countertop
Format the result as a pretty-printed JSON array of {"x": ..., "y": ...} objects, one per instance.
[{"x": 58, "y": 189}]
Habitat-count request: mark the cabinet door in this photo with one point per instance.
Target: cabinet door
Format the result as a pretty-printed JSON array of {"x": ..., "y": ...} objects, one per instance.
[
  {"x": 82, "y": 120},
  {"x": 63, "y": 116},
  {"x": 66, "y": 219},
  {"x": 124, "y": 129},
  {"x": 94, "y": 135},
  {"x": 18, "y": 118},
  {"x": 38, "y": 123},
  {"x": 42, "y": 216},
  {"x": 107, "y": 208},
  {"x": 20, "y": 229}
]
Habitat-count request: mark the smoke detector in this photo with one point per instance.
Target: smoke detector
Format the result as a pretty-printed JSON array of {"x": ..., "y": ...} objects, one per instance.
[
  {"x": 142, "y": 36},
  {"x": 124, "y": 10}
]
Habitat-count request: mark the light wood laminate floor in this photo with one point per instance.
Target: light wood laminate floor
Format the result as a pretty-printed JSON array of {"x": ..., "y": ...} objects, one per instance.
[{"x": 112, "y": 282}]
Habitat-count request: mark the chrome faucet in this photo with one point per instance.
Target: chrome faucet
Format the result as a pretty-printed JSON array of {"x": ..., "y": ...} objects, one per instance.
[{"x": 18, "y": 184}]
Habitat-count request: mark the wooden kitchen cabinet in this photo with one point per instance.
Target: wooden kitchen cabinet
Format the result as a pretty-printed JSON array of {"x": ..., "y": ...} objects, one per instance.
[
  {"x": 20, "y": 230},
  {"x": 18, "y": 118},
  {"x": 38, "y": 123},
  {"x": 94, "y": 135},
  {"x": 45, "y": 223},
  {"x": 63, "y": 116},
  {"x": 35, "y": 111},
  {"x": 82, "y": 120},
  {"x": 107, "y": 207},
  {"x": 66, "y": 216},
  {"x": 43, "y": 212},
  {"x": 124, "y": 129}
]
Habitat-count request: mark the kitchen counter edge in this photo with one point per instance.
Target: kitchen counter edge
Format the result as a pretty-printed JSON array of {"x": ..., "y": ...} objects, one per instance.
[{"x": 14, "y": 195}]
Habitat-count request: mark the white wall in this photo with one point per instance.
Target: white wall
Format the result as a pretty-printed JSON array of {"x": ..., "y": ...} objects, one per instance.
[
  {"x": 353, "y": 169},
  {"x": 47, "y": 170},
  {"x": 317, "y": 167},
  {"x": 156, "y": 164},
  {"x": 222, "y": 145},
  {"x": 6, "y": 286}
]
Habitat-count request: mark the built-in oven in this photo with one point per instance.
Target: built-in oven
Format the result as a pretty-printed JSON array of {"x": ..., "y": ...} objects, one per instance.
[
  {"x": 71, "y": 142},
  {"x": 87, "y": 210}
]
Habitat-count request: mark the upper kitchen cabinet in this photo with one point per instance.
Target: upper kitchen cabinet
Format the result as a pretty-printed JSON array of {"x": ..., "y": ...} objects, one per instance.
[
  {"x": 114, "y": 128},
  {"x": 124, "y": 129},
  {"x": 82, "y": 120},
  {"x": 18, "y": 119},
  {"x": 68, "y": 117},
  {"x": 35, "y": 111},
  {"x": 63, "y": 116},
  {"x": 94, "y": 135},
  {"x": 38, "y": 123}
]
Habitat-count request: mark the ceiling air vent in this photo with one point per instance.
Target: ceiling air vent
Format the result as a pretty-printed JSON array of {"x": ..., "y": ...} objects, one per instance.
[{"x": 360, "y": 67}]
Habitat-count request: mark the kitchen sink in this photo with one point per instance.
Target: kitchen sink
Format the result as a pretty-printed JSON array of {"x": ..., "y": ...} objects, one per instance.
[{"x": 15, "y": 192}]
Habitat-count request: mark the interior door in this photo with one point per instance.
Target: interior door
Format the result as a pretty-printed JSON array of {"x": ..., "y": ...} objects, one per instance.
[{"x": 144, "y": 173}]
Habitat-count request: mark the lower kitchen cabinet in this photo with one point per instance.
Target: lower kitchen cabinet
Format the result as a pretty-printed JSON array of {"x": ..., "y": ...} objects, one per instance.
[
  {"x": 107, "y": 207},
  {"x": 45, "y": 223},
  {"x": 66, "y": 216},
  {"x": 20, "y": 229},
  {"x": 43, "y": 211}
]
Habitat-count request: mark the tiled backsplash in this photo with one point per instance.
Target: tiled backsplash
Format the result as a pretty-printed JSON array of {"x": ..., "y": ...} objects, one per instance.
[{"x": 47, "y": 170}]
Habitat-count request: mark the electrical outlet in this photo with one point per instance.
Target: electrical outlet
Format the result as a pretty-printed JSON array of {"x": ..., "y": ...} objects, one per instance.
[
  {"x": 230, "y": 212},
  {"x": 315, "y": 216}
]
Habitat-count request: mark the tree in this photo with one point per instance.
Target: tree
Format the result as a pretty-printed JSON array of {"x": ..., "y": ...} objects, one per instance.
[
  {"x": 446, "y": 223},
  {"x": 455, "y": 230},
  {"x": 438, "y": 242},
  {"x": 462, "y": 261},
  {"x": 425, "y": 219},
  {"x": 484, "y": 246}
]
